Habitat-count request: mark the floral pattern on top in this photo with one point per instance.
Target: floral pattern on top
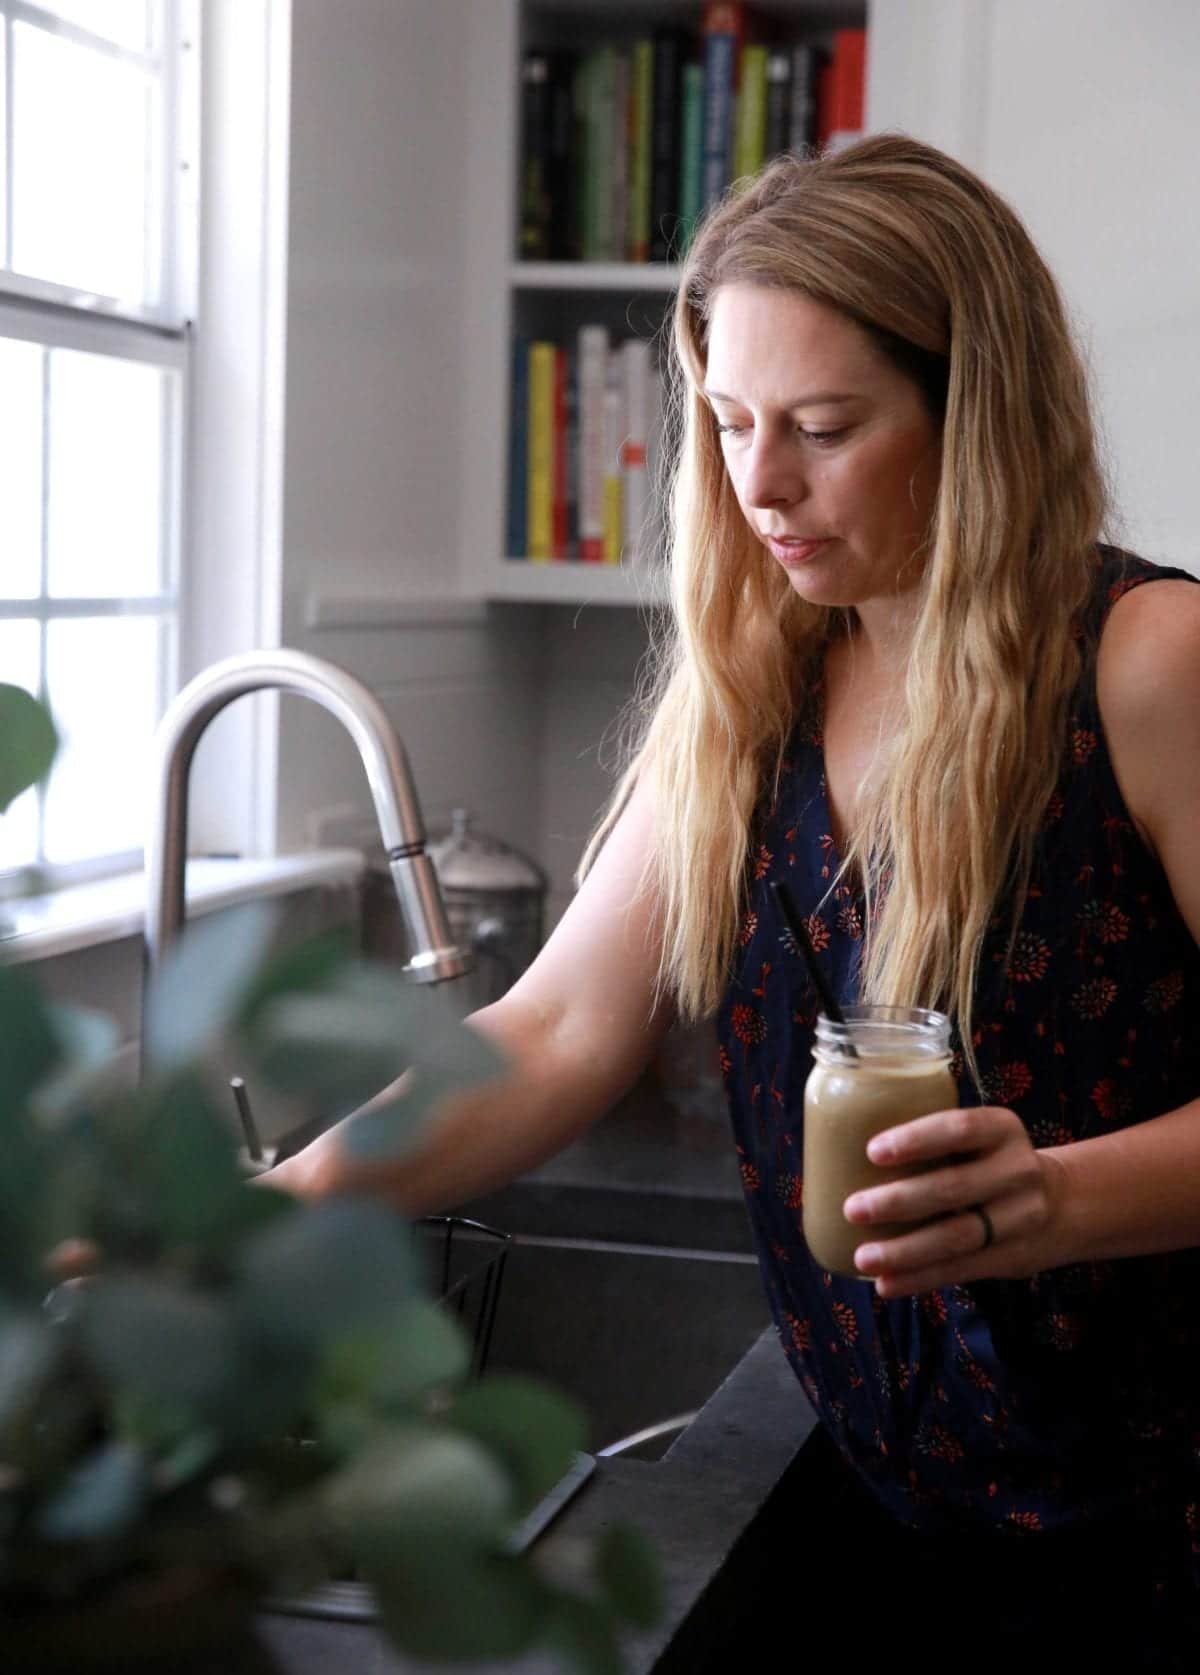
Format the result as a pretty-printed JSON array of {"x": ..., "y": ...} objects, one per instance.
[{"x": 1018, "y": 1405}]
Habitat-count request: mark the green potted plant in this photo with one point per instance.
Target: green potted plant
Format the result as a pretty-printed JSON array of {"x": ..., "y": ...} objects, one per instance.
[{"x": 248, "y": 1394}]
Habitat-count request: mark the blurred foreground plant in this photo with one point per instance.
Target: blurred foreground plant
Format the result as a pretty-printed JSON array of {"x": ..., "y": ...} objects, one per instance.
[{"x": 248, "y": 1388}]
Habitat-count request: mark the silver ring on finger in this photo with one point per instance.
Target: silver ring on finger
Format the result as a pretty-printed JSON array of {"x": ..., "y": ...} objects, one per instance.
[{"x": 989, "y": 1232}]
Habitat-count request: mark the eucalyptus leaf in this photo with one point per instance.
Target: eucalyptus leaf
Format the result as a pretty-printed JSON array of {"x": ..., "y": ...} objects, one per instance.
[
  {"x": 29, "y": 1051},
  {"x": 416, "y": 1485},
  {"x": 30, "y": 1045},
  {"x": 29, "y": 1349},
  {"x": 153, "y": 1335},
  {"x": 189, "y": 1165},
  {"x": 100, "y": 1498},
  {"x": 449, "y": 1601},
  {"x": 423, "y": 1350},
  {"x": 332, "y": 1268},
  {"x": 629, "y": 1574},
  {"x": 301, "y": 967},
  {"x": 390, "y": 1128},
  {"x": 88, "y": 1038},
  {"x": 581, "y": 1629},
  {"x": 30, "y": 743},
  {"x": 531, "y": 1428},
  {"x": 203, "y": 981}
]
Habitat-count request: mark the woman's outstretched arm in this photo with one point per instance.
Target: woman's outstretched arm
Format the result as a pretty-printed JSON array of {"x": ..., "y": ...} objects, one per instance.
[{"x": 577, "y": 1029}]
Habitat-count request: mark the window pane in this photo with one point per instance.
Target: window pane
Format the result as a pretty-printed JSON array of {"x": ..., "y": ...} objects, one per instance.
[
  {"x": 127, "y": 22},
  {"x": 106, "y": 473},
  {"x": 20, "y": 655},
  {"x": 20, "y": 469},
  {"x": 80, "y": 166},
  {"x": 103, "y": 682}
]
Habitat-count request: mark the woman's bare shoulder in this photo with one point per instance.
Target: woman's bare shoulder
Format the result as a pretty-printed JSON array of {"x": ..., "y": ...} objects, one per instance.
[
  {"x": 1149, "y": 658},
  {"x": 1148, "y": 689}
]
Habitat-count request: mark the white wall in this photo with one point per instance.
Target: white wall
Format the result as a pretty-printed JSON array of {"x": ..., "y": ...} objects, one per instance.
[
  {"x": 375, "y": 477},
  {"x": 1084, "y": 114}
]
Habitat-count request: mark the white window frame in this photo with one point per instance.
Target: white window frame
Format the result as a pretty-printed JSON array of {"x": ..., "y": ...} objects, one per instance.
[{"x": 157, "y": 332}]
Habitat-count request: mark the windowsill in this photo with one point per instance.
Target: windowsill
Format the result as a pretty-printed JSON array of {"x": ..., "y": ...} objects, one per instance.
[{"x": 86, "y": 915}]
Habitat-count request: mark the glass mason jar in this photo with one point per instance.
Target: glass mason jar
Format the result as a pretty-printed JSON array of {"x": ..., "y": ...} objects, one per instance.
[{"x": 883, "y": 1066}]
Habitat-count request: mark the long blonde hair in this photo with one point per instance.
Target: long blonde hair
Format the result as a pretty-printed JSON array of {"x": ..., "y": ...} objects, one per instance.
[{"x": 914, "y": 248}]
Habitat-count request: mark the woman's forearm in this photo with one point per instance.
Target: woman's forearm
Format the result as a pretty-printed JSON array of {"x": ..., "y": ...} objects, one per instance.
[
  {"x": 556, "y": 1086},
  {"x": 1132, "y": 1193}
]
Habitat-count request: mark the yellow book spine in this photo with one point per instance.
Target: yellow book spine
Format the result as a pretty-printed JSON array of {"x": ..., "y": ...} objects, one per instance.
[
  {"x": 539, "y": 507},
  {"x": 614, "y": 520}
]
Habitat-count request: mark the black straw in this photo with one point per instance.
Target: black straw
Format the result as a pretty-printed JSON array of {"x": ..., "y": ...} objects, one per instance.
[
  {"x": 242, "y": 1100},
  {"x": 803, "y": 941}
]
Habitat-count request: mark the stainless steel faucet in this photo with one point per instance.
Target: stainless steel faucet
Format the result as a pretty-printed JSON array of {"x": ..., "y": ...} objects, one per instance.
[{"x": 433, "y": 954}]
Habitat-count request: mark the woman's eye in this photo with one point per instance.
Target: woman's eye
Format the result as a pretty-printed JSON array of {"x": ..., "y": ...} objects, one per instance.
[
  {"x": 730, "y": 430},
  {"x": 822, "y": 438}
]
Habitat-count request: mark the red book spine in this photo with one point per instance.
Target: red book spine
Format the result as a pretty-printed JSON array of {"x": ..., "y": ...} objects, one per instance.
[{"x": 559, "y": 504}]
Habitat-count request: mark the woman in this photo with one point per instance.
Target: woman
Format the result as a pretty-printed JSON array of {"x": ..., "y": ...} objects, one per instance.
[{"x": 907, "y": 679}]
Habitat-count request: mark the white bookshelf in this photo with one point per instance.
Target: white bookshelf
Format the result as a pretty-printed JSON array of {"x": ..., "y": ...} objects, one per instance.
[{"x": 500, "y": 291}]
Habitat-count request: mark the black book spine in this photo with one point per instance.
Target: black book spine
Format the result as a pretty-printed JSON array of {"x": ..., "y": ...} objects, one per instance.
[
  {"x": 669, "y": 47},
  {"x": 561, "y": 156},
  {"x": 779, "y": 103},
  {"x": 534, "y": 240}
]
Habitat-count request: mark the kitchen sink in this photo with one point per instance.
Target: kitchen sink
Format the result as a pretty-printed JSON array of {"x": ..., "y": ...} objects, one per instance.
[{"x": 639, "y": 1332}]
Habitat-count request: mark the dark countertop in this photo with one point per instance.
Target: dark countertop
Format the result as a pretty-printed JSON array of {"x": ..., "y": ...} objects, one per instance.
[{"x": 699, "y": 1506}]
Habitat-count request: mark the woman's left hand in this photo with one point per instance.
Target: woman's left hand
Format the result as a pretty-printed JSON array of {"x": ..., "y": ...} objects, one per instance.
[{"x": 993, "y": 1198}]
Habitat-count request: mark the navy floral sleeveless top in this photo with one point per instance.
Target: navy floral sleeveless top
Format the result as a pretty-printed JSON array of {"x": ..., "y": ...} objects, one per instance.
[{"x": 1019, "y": 1405}]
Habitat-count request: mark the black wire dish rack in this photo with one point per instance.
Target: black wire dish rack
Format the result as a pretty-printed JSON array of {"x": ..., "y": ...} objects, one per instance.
[
  {"x": 465, "y": 1265},
  {"x": 466, "y": 1270}
]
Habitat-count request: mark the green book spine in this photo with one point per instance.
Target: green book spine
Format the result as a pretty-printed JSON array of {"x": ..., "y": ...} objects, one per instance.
[
  {"x": 751, "y": 138},
  {"x": 691, "y": 151},
  {"x": 641, "y": 102},
  {"x": 599, "y": 240}
]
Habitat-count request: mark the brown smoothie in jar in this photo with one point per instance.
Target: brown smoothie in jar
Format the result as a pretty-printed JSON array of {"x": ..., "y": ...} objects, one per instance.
[{"x": 846, "y": 1102}]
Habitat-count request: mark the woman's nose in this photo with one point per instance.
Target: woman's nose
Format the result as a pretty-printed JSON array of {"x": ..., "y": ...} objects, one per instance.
[{"x": 772, "y": 474}]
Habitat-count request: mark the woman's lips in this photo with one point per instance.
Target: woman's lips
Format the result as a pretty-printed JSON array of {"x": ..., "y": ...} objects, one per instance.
[{"x": 792, "y": 549}]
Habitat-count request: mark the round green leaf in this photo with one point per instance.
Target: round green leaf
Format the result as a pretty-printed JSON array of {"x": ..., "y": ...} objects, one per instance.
[
  {"x": 628, "y": 1569},
  {"x": 28, "y": 743},
  {"x": 423, "y": 1350},
  {"x": 152, "y": 1335},
  {"x": 416, "y": 1485},
  {"x": 534, "y": 1430},
  {"x": 581, "y": 1629},
  {"x": 203, "y": 981},
  {"x": 448, "y": 1600},
  {"x": 328, "y": 1270},
  {"x": 100, "y": 1498}
]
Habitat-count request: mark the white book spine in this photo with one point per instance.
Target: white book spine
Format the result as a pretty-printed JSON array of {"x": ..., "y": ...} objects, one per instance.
[
  {"x": 593, "y": 368},
  {"x": 635, "y": 380}
]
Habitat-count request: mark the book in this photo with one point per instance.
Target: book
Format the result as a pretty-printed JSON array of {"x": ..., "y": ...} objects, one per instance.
[
  {"x": 722, "y": 28},
  {"x": 847, "y": 88},
  {"x": 823, "y": 104},
  {"x": 634, "y": 357},
  {"x": 572, "y": 453},
  {"x": 667, "y": 115},
  {"x": 561, "y": 152},
  {"x": 619, "y": 155},
  {"x": 599, "y": 240},
  {"x": 558, "y": 500},
  {"x": 691, "y": 150},
  {"x": 778, "y": 129},
  {"x": 518, "y": 442},
  {"x": 539, "y": 514},
  {"x": 591, "y": 373},
  {"x": 750, "y": 136},
  {"x": 534, "y": 239},
  {"x": 641, "y": 98},
  {"x": 613, "y": 478},
  {"x": 806, "y": 64}
]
